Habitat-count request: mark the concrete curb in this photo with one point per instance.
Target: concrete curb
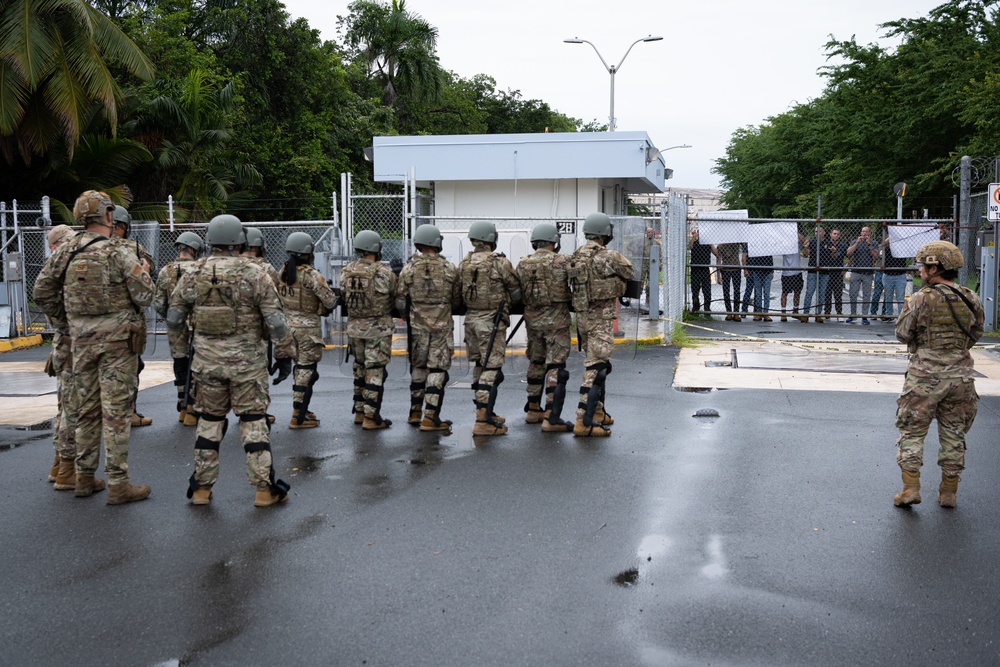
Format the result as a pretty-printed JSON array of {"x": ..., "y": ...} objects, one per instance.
[{"x": 20, "y": 343}]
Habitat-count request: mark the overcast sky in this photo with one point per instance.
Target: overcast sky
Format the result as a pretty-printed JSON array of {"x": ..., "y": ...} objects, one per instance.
[{"x": 722, "y": 64}]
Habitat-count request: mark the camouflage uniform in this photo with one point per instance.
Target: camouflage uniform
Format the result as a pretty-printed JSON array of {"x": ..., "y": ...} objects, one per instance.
[
  {"x": 179, "y": 341},
  {"x": 304, "y": 301},
  {"x": 430, "y": 285},
  {"x": 99, "y": 289},
  {"x": 488, "y": 280},
  {"x": 939, "y": 378},
  {"x": 230, "y": 301},
  {"x": 138, "y": 320},
  {"x": 368, "y": 289},
  {"x": 546, "y": 296},
  {"x": 598, "y": 277}
]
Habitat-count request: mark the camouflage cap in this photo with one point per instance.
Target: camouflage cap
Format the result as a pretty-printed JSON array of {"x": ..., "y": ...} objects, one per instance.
[
  {"x": 92, "y": 204},
  {"x": 59, "y": 235}
]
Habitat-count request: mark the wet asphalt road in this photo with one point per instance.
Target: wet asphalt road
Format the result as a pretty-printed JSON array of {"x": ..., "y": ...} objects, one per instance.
[{"x": 764, "y": 537}]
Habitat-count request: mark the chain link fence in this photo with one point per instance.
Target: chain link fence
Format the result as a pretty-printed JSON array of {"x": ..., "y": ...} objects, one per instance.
[{"x": 828, "y": 268}]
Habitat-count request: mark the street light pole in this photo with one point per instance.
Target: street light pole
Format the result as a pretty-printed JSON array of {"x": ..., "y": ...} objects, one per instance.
[{"x": 612, "y": 69}]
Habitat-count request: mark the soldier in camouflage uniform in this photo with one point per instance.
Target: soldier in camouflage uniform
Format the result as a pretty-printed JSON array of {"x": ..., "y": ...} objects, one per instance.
[
  {"x": 368, "y": 288},
  {"x": 188, "y": 246},
  {"x": 489, "y": 288},
  {"x": 939, "y": 325},
  {"x": 94, "y": 287},
  {"x": 119, "y": 236},
  {"x": 547, "y": 320},
  {"x": 306, "y": 298},
  {"x": 428, "y": 288},
  {"x": 60, "y": 366},
  {"x": 257, "y": 251},
  {"x": 598, "y": 277},
  {"x": 230, "y": 301}
]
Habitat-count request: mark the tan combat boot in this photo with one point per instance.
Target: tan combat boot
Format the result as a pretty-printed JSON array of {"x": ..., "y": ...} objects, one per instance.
[
  {"x": 66, "y": 477},
  {"x": 431, "y": 422},
  {"x": 119, "y": 494},
  {"x": 550, "y": 425},
  {"x": 359, "y": 417},
  {"x": 581, "y": 430},
  {"x": 910, "y": 495},
  {"x": 535, "y": 414},
  {"x": 486, "y": 425},
  {"x": 140, "y": 420},
  {"x": 603, "y": 418},
  {"x": 181, "y": 416},
  {"x": 202, "y": 496},
  {"x": 375, "y": 423},
  {"x": 266, "y": 497},
  {"x": 947, "y": 490},
  {"x": 309, "y": 421},
  {"x": 416, "y": 416},
  {"x": 54, "y": 470},
  {"x": 87, "y": 485}
]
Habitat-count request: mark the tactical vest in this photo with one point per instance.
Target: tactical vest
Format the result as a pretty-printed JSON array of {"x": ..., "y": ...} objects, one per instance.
[
  {"x": 942, "y": 332},
  {"x": 429, "y": 281},
  {"x": 543, "y": 279},
  {"x": 594, "y": 266},
  {"x": 295, "y": 298},
  {"x": 357, "y": 281},
  {"x": 482, "y": 285},
  {"x": 89, "y": 288},
  {"x": 220, "y": 308},
  {"x": 175, "y": 271}
]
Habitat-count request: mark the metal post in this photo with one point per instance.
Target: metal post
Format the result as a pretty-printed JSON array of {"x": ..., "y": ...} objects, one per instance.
[
  {"x": 965, "y": 216},
  {"x": 654, "y": 281},
  {"x": 988, "y": 282},
  {"x": 170, "y": 211},
  {"x": 611, "y": 117}
]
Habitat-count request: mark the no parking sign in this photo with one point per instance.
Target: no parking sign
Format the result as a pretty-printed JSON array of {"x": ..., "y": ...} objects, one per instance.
[{"x": 993, "y": 205}]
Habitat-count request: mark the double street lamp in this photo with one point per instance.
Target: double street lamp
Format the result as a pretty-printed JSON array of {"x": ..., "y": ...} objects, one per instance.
[{"x": 612, "y": 69}]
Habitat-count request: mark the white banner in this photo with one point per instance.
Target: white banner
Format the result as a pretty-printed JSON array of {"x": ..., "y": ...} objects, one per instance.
[
  {"x": 772, "y": 238},
  {"x": 715, "y": 231},
  {"x": 905, "y": 240}
]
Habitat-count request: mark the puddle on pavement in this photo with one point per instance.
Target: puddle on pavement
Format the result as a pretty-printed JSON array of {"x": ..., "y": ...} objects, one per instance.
[
  {"x": 306, "y": 463},
  {"x": 626, "y": 578}
]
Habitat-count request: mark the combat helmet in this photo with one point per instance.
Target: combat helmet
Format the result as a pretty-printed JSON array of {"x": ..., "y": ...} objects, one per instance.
[
  {"x": 91, "y": 207},
  {"x": 944, "y": 254},
  {"x": 368, "y": 242},
  {"x": 427, "y": 235},
  {"x": 225, "y": 231},
  {"x": 544, "y": 232},
  {"x": 255, "y": 238},
  {"x": 598, "y": 224},
  {"x": 191, "y": 240},
  {"x": 483, "y": 231},
  {"x": 300, "y": 243},
  {"x": 123, "y": 219}
]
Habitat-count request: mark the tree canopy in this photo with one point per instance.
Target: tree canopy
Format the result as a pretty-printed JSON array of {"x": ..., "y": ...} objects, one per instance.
[{"x": 886, "y": 116}]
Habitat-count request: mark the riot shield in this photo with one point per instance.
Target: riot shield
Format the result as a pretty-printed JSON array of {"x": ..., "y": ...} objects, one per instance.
[
  {"x": 632, "y": 241},
  {"x": 454, "y": 246},
  {"x": 516, "y": 363}
]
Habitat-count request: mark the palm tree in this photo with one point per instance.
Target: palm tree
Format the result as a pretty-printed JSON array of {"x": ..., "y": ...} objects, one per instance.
[
  {"x": 188, "y": 134},
  {"x": 54, "y": 65},
  {"x": 397, "y": 46}
]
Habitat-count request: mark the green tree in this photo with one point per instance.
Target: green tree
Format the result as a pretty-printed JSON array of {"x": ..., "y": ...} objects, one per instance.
[
  {"x": 55, "y": 58},
  {"x": 398, "y": 47},
  {"x": 189, "y": 137}
]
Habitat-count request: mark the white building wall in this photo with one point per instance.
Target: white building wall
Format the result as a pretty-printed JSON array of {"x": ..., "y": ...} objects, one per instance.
[{"x": 561, "y": 198}]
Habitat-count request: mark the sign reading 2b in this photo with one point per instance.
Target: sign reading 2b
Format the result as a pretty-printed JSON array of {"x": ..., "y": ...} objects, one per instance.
[
  {"x": 566, "y": 226},
  {"x": 993, "y": 205}
]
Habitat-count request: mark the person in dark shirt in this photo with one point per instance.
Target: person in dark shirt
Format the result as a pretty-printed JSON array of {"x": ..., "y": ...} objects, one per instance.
[
  {"x": 701, "y": 283},
  {"x": 894, "y": 280},
  {"x": 759, "y": 274},
  {"x": 818, "y": 279}
]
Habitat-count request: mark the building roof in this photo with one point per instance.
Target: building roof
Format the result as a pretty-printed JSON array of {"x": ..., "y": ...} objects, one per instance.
[{"x": 629, "y": 157}]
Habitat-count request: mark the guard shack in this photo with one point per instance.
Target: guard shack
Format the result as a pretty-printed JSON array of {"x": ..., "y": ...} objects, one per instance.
[{"x": 540, "y": 176}]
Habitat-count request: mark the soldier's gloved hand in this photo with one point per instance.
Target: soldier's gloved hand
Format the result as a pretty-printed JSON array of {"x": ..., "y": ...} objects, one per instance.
[{"x": 284, "y": 368}]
